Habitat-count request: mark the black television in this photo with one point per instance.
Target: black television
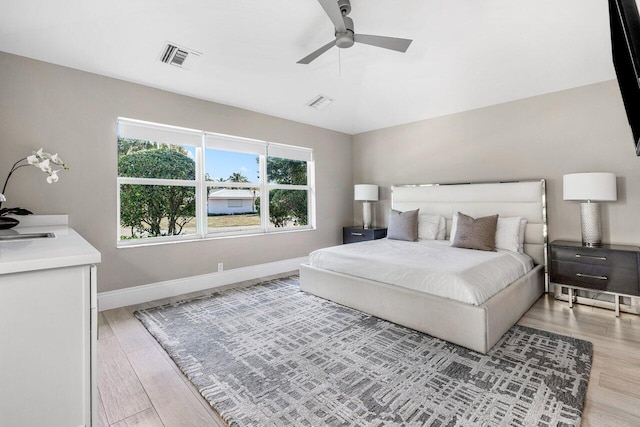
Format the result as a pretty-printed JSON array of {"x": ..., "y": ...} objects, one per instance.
[{"x": 625, "y": 47}]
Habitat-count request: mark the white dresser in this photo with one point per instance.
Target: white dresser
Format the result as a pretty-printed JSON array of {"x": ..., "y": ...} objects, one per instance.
[{"x": 48, "y": 328}]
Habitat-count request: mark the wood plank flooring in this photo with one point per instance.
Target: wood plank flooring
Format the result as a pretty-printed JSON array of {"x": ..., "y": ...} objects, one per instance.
[{"x": 139, "y": 385}]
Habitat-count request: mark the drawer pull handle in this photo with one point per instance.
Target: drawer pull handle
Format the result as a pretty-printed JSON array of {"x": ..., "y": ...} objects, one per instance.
[
  {"x": 357, "y": 234},
  {"x": 603, "y": 258},
  {"x": 591, "y": 276}
]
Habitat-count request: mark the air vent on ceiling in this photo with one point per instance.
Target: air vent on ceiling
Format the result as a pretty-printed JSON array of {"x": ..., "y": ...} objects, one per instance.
[
  {"x": 179, "y": 56},
  {"x": 320, "y": 102}
]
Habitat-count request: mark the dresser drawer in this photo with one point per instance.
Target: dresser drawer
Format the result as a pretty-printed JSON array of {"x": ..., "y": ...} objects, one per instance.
[
  {"x": 596, "y": 257},
  {"x": 597, "y": 277}
]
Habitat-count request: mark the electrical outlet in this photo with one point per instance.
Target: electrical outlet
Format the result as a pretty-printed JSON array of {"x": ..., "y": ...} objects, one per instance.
[{"x": 220, "y": 267}]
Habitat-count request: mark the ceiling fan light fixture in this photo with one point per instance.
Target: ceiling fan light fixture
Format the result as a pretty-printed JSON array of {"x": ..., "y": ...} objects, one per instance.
[
  {"x": 345, "y": 40},
  {"x": 320, "y": 102}
]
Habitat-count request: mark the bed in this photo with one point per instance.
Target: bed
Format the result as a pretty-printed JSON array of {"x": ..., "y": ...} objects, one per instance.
[{"x": 477, "y": 326}]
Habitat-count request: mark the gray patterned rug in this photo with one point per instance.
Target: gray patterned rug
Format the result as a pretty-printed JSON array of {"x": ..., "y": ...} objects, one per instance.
[{"x": 270, "y": 355}]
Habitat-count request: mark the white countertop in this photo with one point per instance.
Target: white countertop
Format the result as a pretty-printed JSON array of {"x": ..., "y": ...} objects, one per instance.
[{"x": 66, "y": 249}]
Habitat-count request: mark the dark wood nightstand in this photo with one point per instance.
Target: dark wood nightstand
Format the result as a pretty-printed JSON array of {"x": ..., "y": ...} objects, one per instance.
[
  {"x": 611, "y": 269},
  {"x": 359, "y": 234}
]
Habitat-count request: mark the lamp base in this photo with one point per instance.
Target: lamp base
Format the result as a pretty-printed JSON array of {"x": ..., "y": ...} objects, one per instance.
[
  {"x": 366, "y": 214},
  {"x": 590, "y": 221}
]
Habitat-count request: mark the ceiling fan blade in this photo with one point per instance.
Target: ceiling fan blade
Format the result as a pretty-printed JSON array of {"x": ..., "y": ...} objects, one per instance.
[
  {"x": 307, "y": 59},
  {"x": 400, "y": 45},
  {"x": 332, "y": 9}
]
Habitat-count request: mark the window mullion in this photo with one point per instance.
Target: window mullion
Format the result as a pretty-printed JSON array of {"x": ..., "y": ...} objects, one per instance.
[
  {"x": 157, "y": 181},
  {"x": 201, "y": 192},
  {"x": 311, "y": 195},
  {"x": 226, "y": 184},
  {"x": 118, "y": 226},
  {"x": 289, "y": 187}
]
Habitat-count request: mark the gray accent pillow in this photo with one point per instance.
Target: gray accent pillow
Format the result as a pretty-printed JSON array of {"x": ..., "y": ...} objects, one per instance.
[
  {"x": 477, "y": 233},
  {"x": 403, "y": 225}
]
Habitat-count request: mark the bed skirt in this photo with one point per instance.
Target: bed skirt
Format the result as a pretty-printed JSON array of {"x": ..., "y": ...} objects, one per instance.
[{"x": 477, "y": 327}]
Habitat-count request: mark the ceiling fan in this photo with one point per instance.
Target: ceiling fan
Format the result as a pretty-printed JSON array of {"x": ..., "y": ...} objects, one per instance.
[{"x": 346, "y": 37}]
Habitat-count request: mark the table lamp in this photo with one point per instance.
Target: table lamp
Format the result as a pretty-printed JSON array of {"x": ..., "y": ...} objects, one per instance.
[
  {"x": 590, "y": 188},
  {"x": 366, "y": 193}
]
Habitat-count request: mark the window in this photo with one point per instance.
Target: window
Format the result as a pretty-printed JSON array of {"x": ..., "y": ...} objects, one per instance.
[{"x": 184, "y": 184}]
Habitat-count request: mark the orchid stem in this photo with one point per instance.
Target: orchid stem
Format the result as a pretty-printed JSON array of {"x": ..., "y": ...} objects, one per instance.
[{"x": 14, "y": 168}]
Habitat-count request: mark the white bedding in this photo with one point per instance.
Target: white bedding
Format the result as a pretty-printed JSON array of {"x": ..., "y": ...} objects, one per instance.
[{"x": 430, "y": 266}]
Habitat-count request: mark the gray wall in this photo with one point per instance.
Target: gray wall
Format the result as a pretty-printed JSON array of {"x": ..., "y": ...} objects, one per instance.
[
  {"x": 74, "y": 113},
  {"x": 578, "y": 130}
]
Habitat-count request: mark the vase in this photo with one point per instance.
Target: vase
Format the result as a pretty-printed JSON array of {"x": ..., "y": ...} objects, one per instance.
[{"x": 7, "y": 222}]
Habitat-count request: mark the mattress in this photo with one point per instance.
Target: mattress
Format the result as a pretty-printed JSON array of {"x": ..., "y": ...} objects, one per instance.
[{"x": 430, "y": 266}]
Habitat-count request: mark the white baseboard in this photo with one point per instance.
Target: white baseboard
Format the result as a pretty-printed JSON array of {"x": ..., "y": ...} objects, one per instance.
[{"x": 170, "y": 288}]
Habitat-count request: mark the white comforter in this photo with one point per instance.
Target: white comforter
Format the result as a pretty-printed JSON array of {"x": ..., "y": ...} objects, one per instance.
[{"x": 430, "y": 266}]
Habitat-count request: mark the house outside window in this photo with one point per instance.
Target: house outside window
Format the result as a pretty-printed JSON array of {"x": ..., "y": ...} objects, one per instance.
[{"x": 184, "y": 184}]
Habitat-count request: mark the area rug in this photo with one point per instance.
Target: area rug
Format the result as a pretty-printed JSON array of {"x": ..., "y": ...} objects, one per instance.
[{"x": 271, "y": 355}]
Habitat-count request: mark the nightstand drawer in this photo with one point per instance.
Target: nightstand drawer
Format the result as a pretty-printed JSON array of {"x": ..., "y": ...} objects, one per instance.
[
  {"x": 595, "y": 257},
  {"x": 359, "y": 234},
  {"x": 597, "y": 277}
]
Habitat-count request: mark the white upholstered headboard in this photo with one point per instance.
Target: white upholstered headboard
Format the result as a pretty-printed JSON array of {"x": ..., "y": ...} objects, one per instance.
[{"x": 526, "y": 199}]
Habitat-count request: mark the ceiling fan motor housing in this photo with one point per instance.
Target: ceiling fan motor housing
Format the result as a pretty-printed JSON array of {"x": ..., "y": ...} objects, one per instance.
[{"x": 344, "y": 40}]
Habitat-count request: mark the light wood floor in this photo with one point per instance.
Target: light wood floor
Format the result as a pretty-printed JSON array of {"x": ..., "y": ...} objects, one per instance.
[{"x": 139, "y": 385}]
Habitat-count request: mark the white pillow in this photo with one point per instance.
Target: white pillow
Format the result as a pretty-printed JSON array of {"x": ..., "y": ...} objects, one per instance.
[
  {"x": 523, "y": 228},
  {"x": 442, "y": 229},
  {"x": 454, "y": 226},
  {"x": 431, "y": 227},
  {"x": 508, "y": 233}
]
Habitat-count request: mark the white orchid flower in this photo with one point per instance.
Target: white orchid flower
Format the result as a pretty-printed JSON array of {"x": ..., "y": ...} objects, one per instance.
[
  {"x": 42, "y": 160},
  {"x": 45, "y": 166},
  {"x": 53, "y": 177},
  {"x": 33, "y": 160}
]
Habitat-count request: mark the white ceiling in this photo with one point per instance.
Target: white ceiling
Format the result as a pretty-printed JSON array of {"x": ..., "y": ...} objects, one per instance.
[{"x": 465, "y": 54}]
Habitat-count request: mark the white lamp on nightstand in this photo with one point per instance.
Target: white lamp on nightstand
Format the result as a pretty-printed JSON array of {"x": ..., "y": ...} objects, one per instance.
[
  {"x": 366, "y": 193},
  {"x": 590, "y": 188}
]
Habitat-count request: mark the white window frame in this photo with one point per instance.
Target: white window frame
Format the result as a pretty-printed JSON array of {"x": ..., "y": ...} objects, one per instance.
[
  {"x": 309, "y": 187},
  {"x": 138, "y": 129}
]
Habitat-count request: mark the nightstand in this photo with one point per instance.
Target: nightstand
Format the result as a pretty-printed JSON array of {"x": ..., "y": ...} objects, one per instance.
[
  {"x": 611, "y": 269},
  {"x": 359, "y": 234}
]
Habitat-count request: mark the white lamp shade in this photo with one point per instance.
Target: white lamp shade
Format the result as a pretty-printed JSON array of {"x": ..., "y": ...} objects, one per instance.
[
  {"x": 594, "y": 186},
  {"x": 366, "y": 192}
]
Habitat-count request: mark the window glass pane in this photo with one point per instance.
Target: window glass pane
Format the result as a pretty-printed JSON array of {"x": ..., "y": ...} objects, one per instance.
[
  {"x": 150, "y": 159},
  {"x": 286, "y": 171},
  {"x": 233, "y": 210},
  {"x": 231, "y": 166},
  {"x": 148, "y": 211},
  {"x": 288, "y": 208}
]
